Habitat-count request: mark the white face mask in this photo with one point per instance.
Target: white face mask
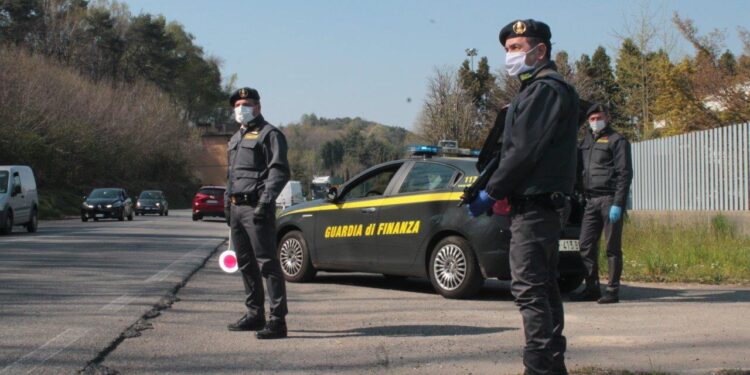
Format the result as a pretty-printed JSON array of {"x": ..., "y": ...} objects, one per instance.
[
  {"x": 243, "y": 114},
  {"x": 515, "y": 62},
  {"x": 597, "y": 125}
]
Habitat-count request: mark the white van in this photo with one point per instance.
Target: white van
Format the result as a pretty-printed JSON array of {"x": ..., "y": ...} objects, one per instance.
[
  {"x": 290, "y": 195},
  {"x": 19, "y": 203}
]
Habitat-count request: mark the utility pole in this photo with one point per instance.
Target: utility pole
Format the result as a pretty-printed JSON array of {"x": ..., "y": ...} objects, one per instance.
[{"x": 471, "y": 52}]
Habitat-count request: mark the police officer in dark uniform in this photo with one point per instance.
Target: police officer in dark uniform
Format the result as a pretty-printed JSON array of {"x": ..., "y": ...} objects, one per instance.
[
  {"x": 607, "y": 171},
  {"x": 258, "y": 170},
  {"x": 536, "y": 172}
]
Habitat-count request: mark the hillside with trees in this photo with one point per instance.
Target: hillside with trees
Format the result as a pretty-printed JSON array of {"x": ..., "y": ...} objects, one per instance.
[
  {"x": 341, "y": 147},
  {"x": 94, "y": 96}
]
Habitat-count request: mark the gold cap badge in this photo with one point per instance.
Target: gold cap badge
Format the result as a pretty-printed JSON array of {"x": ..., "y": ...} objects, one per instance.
[
  {"x": 519, "y": 27},
  {"x": 243, "y": 92}
]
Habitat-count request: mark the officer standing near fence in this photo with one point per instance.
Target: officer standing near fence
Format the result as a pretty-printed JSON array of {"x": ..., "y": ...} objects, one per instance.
[
  {"x": 537, "y": 170},
  {"x": 258, "y": 170},
  {"x": 606, "y": 172}
]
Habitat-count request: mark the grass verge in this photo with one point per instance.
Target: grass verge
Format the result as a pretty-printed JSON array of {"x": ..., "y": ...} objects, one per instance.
[{"x": 713, "y": 254}]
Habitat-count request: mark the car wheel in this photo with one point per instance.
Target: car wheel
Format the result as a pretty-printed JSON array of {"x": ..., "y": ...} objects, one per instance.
[
  {"x": 7, "y": 227},
  {"x": 84, "y": 218},
  {"x": 96, "y": 219},
  {"x": 453, "y": 269},
  {"x": 295, "y": 258},
  {"x": 130, "y": 217},
  {"x": 569, "y": 283},
  {"x": 196, "y": 217},
  {"x": 33, "y": 224},
  {"x": 166, "y": 213}
]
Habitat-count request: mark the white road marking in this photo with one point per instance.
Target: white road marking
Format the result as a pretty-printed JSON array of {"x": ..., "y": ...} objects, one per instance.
[
  {"x": 36, "y": 358},
  {"x": 118, "y": 303},
  {"x": 159, "y": 276},
  {"x": 197, "y": 252}
]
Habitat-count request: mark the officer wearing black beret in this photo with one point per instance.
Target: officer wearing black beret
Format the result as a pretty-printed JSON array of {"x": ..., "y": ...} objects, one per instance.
[
  {"x": 258, "y": 171},
  {"x": 536, "y": 172},
  {"x": 606, "y": 173}
]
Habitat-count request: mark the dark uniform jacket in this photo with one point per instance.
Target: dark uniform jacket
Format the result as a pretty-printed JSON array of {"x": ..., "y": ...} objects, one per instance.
[
  {"x": 606, "y": 165},
  {"x": 257, "y": 162},
  {"x": 539, "y": 141}
]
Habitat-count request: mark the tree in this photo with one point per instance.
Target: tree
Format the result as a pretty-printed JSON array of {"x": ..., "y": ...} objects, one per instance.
[{"x": 448, "y": 112}]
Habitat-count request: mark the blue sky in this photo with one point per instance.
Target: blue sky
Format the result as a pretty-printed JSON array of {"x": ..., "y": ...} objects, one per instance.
[{"x": 339, "y": 58}]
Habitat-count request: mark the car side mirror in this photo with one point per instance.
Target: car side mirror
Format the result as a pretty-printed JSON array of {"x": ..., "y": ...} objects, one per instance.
[{"x": 332, "y": 194}]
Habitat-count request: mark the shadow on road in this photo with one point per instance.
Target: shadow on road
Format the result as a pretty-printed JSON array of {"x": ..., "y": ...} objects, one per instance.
[
  {"x": 696, "y": 295},
  {"x": 493, "y": 290},
  {"x": 404, "y": 331}
]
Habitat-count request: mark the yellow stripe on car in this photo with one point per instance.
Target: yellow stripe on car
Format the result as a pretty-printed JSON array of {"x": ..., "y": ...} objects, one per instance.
[{"x": 389, "y": 201}]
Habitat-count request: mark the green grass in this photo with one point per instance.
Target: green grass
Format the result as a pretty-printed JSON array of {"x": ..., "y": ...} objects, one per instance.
[
  {"x": 713, "y": 254},
  {"x": 58, "y": 204}
]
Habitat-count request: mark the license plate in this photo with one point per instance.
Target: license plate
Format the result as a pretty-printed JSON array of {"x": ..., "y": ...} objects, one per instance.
[
  {"x": 212, "y": 201},
  {"x": 99, "y": 215},
  {"x": 569, "y": 245}
]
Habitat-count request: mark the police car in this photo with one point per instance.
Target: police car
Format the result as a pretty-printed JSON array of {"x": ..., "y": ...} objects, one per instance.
[{"x": 401, "y": 218}]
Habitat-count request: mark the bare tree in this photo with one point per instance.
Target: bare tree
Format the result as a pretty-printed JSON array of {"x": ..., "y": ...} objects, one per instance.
[{"x": 448, "y": 112}]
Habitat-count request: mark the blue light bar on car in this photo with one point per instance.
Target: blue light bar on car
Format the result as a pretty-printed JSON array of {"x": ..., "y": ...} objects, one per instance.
[{"x": 423, "y": 150}]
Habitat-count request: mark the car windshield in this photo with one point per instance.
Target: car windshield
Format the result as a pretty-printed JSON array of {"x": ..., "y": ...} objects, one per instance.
[
  {"x": 211, "y": 191},
  {"x": 150, "y": 195},
  {"x": 3, "y": 182},
  {"x": 105, "y": 193}
]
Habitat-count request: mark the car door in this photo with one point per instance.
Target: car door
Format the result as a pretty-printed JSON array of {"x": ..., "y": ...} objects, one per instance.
[
  {"x": 18, "y": 200},
  {"x": 423, "y": 196},
  {"x": 343, "y": 234}
]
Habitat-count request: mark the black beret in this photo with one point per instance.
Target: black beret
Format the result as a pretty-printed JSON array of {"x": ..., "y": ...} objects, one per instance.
[
  {"x": 244, "y": 93},
  {"x": 597, "y": 107},
  {"x": 526, "y": 28}
]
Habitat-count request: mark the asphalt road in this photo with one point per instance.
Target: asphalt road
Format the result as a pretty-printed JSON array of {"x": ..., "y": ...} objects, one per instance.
[
  {"x": 356, "y": 323},
  {"x": 69, "y": 293},
  {"x": 70, "y": 290}
]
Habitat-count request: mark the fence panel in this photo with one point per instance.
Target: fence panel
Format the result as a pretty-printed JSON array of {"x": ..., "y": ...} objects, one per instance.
[{"x": 706, "y": 170}]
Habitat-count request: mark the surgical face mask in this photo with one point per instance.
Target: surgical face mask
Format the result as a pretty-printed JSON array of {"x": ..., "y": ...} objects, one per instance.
[
  {"x": 515, "y": 62},
  {"x": 243, "y": 114},
  {"x": 597, "y": 125}
]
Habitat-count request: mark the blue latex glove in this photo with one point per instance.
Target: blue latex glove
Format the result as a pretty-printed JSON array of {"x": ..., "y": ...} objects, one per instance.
[
  {"x": 615, "y": 213},
  {"x": 481, "y": 204}
]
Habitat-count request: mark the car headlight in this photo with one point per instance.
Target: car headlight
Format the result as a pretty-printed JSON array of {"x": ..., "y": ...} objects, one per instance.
[
  {"x": 138, "y": 204},
  {"x": 157, "y": 204},
  {"x": 88, "y": 205},
  {"x": 109, "y": 206}
]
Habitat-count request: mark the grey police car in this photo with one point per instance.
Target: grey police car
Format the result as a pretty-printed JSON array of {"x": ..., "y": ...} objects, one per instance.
[{"x": 401, "y": 218}]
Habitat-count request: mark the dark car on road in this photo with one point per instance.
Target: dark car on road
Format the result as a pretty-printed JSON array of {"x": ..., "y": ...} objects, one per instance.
[
  {"x": 402, "y": 218},
  {"x": 107, "y": 203},
  {"x": 208, "y": 201},
  {"x": 152, "y": 202}
]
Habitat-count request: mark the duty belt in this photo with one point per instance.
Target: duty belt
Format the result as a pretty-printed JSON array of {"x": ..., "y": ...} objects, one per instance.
[
  {"x": 596, "y": 194},
  {"x": 244, "y": 199},
  {"x": 554, "y": 201}
]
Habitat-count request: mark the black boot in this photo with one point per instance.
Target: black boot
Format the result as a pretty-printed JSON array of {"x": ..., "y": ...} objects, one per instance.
[
  {"x": 590, "y": 293},
  {"x": 248, "y": 323},
  {"x": 275, "y": 329},
  {"x": 609, "y": 297}
]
